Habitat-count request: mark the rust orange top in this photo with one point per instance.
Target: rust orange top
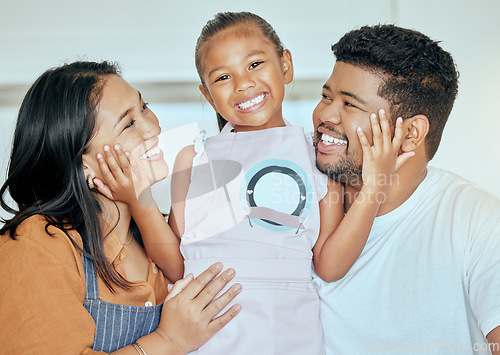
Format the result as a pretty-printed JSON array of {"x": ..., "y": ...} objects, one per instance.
[{"x": 42, "y": 289}]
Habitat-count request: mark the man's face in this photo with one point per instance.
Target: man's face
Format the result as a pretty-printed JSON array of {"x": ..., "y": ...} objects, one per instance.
[{"x": 348, "y": 98}]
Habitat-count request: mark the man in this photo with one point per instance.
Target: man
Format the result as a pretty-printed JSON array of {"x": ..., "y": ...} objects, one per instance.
[{"x": 428, "y": 278}]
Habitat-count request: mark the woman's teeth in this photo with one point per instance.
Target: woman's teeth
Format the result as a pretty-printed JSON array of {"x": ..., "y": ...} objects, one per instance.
[
  {"x": 150, "y": 153},
  {"x": 328, "y": 140},
  {"x": 252, "y": 102}
]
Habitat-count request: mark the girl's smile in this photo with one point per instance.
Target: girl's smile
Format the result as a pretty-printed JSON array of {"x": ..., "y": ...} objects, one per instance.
[
  {"x": 249, "y": 104},
  {"x": 244, "y": 78}
]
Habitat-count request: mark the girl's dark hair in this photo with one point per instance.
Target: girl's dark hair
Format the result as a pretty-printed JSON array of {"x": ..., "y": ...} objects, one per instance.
[
  {"x": 419, "y": 77},
  {"x": 224, "y": 20},
  {"x": 55, "y": 123}
]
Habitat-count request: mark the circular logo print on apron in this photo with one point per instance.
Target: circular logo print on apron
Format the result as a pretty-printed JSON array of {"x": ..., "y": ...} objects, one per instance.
[{"x": 277, "y": 195}]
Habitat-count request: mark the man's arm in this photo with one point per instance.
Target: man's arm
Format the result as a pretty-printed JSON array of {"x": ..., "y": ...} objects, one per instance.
[{"x": 494, "y": 340}]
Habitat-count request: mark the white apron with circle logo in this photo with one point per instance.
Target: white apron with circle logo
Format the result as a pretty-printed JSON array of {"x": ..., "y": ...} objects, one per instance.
[{"x": 253, "y": 205}]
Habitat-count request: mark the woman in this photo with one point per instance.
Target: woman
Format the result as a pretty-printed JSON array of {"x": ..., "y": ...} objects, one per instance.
[{"x": 74, "y": 274}]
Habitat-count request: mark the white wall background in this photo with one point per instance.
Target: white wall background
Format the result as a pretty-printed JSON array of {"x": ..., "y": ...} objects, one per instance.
[{"x": 154, "y": 43}]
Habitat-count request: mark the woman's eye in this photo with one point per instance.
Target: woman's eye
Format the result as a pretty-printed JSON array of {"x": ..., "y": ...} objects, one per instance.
[
  {"x": 222, "y": 77},
  {"x": 130, "y": 124},
  {"x": 326, "y": 97},
  {"x": 348, "y": 104},
  {"x": 145, "y": 106},
  {"x": 255, "y": 64}
]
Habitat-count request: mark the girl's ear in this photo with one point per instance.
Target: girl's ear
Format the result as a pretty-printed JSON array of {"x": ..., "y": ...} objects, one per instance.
[
  {"x": 207, "y": 95},
  {"x": 287, "y": 63},
  {"x": 417, "y": 128}
]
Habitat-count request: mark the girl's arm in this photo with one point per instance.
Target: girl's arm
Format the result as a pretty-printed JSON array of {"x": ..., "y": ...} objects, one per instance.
[
  {"x": 342, "y": 240},
  {"x": 161, "y": 243},
  {"x": 181, "y": 177}
]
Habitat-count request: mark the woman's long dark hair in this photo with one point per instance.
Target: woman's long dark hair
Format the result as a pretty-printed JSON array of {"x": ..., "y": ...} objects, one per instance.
[{"x": 55, "y": 123}]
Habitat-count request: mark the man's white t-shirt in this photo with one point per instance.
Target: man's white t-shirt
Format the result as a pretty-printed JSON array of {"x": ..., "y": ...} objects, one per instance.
[{"x": 428, "y": 279}]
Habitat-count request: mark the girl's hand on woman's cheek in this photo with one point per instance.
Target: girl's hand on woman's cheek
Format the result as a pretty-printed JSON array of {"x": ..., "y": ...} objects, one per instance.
[{"x": 117, "y": 181}]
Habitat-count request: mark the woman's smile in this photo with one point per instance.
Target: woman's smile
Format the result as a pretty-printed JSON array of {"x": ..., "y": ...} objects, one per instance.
[
  {"x": 125, "y": 119},
  {"x": 153, "y": 154}
]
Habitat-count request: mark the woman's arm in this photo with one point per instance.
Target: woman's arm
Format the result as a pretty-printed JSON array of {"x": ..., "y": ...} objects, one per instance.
[
  {"x": 160, "y": 242},
  {"x": 43, "y": 290},
  {"x": 341, "y": 241},
  {"x": 42, "y": 293},
  {"x": 190, "y": 313}
]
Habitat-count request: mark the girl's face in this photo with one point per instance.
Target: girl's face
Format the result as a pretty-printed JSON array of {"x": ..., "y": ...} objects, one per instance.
[
  {"x": 124, "y": 118},
  {"x": 245, "y": 78}
]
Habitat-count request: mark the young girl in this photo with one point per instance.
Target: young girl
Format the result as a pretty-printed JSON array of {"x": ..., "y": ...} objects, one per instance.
[{"x": 252, "y": 197}]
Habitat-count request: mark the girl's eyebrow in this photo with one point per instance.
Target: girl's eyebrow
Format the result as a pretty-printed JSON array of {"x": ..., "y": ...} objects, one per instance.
[
  {"x": 214, "y": 70},
  {"x": 256, "y": 52}
]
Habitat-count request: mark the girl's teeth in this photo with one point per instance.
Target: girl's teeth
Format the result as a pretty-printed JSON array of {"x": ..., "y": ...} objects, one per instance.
[
  {"x": 151, "y": 152},
  {"x": 252, "y": 102}
]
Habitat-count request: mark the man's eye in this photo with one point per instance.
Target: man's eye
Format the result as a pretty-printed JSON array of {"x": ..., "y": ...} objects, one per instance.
[
  {"x": 255, "y": 65},
  {"x": 326, "y": 97},
  {"x": 132, "y": 121},
  {"x": 222, "y": 77},
  {"x": 348, "y": 104},
  {"x": 145, "y": 106}
]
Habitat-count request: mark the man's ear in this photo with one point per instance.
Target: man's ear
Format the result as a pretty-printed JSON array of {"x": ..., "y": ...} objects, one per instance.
[
  {"x": 417, "y": 128},
  {"x": 207, "y": 95},
  {"x": 286, "y": 60}
]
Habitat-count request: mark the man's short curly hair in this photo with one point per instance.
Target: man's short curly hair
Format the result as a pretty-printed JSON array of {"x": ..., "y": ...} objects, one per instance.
[{"x": 419, "y": 77}]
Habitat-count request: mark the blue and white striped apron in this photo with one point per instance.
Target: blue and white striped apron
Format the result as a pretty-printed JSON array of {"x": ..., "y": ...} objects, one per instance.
[{"x": 116, "y": 325}]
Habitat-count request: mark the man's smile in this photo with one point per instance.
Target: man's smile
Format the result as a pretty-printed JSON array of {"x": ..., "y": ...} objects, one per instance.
[{"x": 329, "y": 140}]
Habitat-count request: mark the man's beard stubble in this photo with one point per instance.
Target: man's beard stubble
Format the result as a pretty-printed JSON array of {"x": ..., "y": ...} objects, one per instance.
[{"x": 345, "y": 171}]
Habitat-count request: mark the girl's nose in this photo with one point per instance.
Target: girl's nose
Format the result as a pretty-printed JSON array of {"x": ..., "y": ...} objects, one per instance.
[{"x": 244, "y": 82}]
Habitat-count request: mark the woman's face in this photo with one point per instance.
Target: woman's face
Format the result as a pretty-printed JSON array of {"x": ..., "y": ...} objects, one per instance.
[{"x": 124, "y": 118}]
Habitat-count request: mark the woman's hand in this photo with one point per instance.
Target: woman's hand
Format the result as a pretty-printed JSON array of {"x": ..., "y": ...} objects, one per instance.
[
  {"x": 189, "y": 316},
  {"x": 382, "y": 159}
]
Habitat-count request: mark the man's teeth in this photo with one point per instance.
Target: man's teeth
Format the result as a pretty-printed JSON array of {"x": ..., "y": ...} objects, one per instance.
[
  {"x": 252, "y": 102},
  {"x": 152, "y": 152},
  {"x": 328, "y": 140}
]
